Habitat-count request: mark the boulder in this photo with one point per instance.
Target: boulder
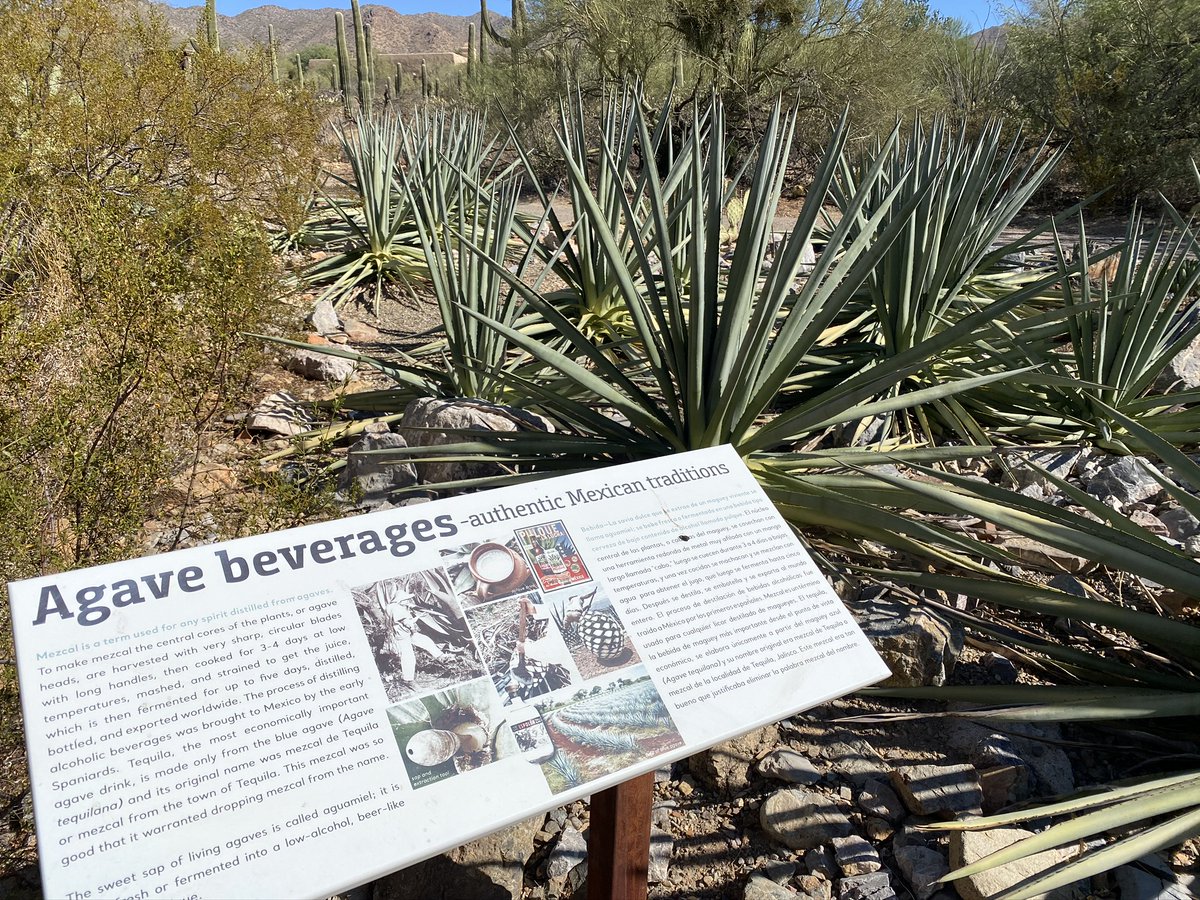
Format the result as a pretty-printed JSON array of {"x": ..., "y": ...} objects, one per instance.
[
  {"x": 569, "y": 852},
  {"x": 491, "y": 868},
  {"x": 319, "y": 366},
  {"x": 801, "y": 819},
  {"x": 967, "y": 847},
  {"x": 429, "y": 422},
  {"x": 919, "y": 646},
  {"x": 371, "y": 474},
  {"x": 1182, "y": 373}
]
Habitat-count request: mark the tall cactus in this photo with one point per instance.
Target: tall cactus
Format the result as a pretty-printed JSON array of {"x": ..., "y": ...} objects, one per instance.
[
  {"x": 343, "y": 62},
  {"x": 483, "y": 33},
  {"x": 424, "y": 80},
  {"x": 299, "y": 71},
  {"x": 365, "y": 86},
  {"x": 210, "y": 22},
  {"x": 470, "y": 51},
  {"x": 399, "y": 79},
  {"x": 274, "y": 53}
]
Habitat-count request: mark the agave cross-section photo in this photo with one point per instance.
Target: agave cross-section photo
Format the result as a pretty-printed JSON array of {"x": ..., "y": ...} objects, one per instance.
[
  {"x": 605, "y": 728},
  {"x": 417, "y": 632},
  {"x": 593, "y": 631}
]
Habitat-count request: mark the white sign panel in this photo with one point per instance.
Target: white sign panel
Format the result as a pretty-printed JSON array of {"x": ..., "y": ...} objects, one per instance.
[{"x": 300, "y": 712}]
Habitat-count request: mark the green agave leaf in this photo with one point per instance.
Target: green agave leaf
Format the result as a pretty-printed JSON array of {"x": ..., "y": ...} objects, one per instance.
[
  {"x": 1149, "y": 840},
  {"x": 1119, "y": 815}
]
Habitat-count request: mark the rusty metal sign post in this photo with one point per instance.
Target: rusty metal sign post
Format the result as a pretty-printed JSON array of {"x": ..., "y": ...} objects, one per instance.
[{"x": 619, "y": 841}]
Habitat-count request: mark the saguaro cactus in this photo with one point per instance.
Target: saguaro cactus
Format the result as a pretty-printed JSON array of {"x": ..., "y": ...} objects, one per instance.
[
  {"x": 365, "y": 86},
  {"x": 483, "y": 33},
  {"x": 399, "y": 79},
  {"x": 470, "y": 51},
  {"x": 274, "y": 53},
  {"x": 343, "y": 62},
  {"x": 424, "y": 80},
  {"x": 299, "y": 71},
  {"x": 210, "y": 21}
]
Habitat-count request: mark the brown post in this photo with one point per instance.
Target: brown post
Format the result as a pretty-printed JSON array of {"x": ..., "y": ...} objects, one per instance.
[{"x": 619, "y": 841}]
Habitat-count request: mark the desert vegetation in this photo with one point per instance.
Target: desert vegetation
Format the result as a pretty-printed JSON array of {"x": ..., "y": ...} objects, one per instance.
[{"x": 595, "y": 222}]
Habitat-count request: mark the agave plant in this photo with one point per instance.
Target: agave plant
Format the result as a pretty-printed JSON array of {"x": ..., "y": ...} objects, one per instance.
[
  {"x": 375, "y": 229},
  {"x": 945, "y": 262},
  {"x": 1123, "y": 330}
]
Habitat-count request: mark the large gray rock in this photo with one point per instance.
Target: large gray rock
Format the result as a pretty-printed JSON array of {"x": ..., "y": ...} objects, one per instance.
[
  {"x": 372, "y": 475},
  {"x": 967, "y": 847},
  {"x": 1060, "y": 463},
  {"x": 1181, "y": 525},
  {"x": 1126, "y": 481},
  {"x": 726, "y": 767},
  {"x": 921, "y": 868},
  {"x": 929, "y": 790},
  {"x": 919, "y": 646},
  {"x": 491, "y": 868},
  {"x": 428, "y": 422},
  {"x": 319, "y": 366},
  {"x": 801, "y": 820}
]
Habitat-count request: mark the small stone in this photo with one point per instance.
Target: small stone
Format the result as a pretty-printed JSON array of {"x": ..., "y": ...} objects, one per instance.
[
  {"x": 1125, "y": 482},
  {"x": 938, "y": 790},
  {"x": 759, "y": 888},
  {"x": 569, "y": 852},
  {"x": 324, "y": 318},
  {"x": 779, "y": 871},
  {"x": 1001, "y": 786},
  {"x": 855, "y": 856},
  {"x": 877, "y": 799},
  {"x": 921, "y": 868},
  {"x": 319, "y": 366},
  {"x": 661, "y": 845},
  {"x": 967, "y": 847},
  {"x": 1181, "y": 525},
  {"x": 361, "y": 333},
  {"x": 316, "y": 340},
  {"x": 686, "y": 789},
  {"x": 873, "y": 886},
  {"x": 788, "y": 765},
  {"x": 372, "y": 473},
  {"x": 818, "y": 861},
  {"x": 1001, "y": 668},
  {"x": 878, "y": 829},
  {"x": 281, "y": 413},
  {"x": 815, "y": 887},
  {"x": 801, "y": 820}
]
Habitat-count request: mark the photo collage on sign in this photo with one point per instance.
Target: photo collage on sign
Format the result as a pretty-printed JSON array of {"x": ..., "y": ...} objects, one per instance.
[
  {"x": 548, "y": 636},
  {"x": 511, "y": 648}
]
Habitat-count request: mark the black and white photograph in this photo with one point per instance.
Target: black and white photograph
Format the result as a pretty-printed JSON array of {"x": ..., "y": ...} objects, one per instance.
[
  {"x": 522, "y": 648},
  {"x": 417, "y": 633}
]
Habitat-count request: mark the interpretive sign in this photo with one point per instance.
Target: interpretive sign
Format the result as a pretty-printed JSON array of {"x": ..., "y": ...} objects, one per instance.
[{"x": 293, "y": 714}]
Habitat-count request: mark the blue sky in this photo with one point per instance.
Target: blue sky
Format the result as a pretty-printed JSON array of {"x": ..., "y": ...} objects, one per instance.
[{"x": 975, "y": 13}]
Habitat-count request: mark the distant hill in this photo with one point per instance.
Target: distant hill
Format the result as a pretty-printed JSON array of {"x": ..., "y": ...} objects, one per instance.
[{"x": 296, "y": 29}]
